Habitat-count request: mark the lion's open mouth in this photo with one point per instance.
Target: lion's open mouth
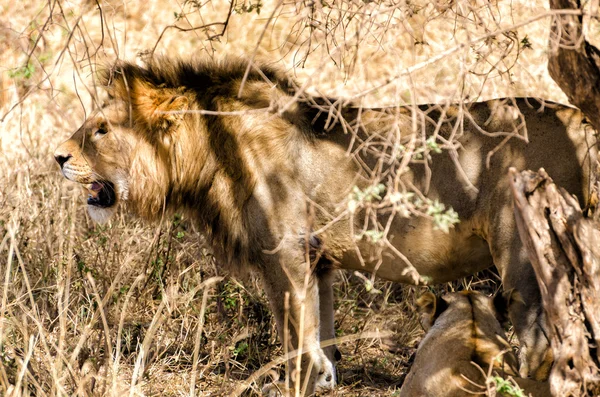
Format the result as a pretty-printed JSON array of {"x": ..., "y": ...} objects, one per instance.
[{"x": 101, "y": 194}]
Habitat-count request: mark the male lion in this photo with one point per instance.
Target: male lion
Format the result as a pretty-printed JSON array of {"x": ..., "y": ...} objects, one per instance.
[
  {"x": 464, "y": 339},
  {"x": 268, "y": 178}
]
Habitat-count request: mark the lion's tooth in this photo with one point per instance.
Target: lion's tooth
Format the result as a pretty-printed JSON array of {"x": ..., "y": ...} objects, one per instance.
[{"x": 90, "y": 190}]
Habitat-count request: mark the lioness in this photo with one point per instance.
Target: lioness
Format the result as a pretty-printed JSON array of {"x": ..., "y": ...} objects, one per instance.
[
  {"x": 268, "y": 178},
  {"x": 464, "y": 339}
]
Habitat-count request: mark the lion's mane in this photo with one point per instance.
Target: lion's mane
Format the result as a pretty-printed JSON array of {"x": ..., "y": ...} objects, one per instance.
[{"x": 188, "y": 156}]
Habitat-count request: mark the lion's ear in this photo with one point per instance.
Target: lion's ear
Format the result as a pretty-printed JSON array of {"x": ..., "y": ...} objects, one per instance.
[
  {"x": 169, "y": 111},
  {"x": 502, "y": 303},
  {"x": 430, "y": 307},
  {"x": 160, "y": 108},
  {"x": 157, "y": 106}
]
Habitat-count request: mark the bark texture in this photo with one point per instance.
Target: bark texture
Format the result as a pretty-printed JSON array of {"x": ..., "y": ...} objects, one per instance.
[
  {"x": 573, "y": 62},
  {"x": 564, "y": 248}
]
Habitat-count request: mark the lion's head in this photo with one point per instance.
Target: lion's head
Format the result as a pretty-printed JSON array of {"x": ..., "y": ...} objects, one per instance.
[
  {"x": 134, "y": 148},
  {"x": 109, "y": 149}
]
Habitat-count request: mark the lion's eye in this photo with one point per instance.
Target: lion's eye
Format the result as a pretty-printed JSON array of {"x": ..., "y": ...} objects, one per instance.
[{"x": 101, "y": 131}]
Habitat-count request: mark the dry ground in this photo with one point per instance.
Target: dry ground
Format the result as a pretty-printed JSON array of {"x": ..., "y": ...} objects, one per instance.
[{"x": 125, "y": 300}]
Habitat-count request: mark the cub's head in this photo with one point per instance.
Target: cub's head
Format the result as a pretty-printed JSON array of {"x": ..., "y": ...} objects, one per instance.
[
  {"x": 121, "y": 152},
  {"x": 474, "y": 320},
  {"x": 465, "y": 304}
]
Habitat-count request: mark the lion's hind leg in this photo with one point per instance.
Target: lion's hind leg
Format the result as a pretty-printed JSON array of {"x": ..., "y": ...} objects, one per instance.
[{"x": 526, "y": 313}]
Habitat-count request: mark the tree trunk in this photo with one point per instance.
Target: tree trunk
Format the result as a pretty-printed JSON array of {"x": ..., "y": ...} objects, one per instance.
[
  {"x": 573, "y": 62},
  {"x": 564, "y": 249}
]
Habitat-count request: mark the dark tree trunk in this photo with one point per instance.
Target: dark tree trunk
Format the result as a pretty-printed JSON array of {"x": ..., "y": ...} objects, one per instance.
[
  {"x": 573, "y": 62},
  {"x": 564, "y": 248}
]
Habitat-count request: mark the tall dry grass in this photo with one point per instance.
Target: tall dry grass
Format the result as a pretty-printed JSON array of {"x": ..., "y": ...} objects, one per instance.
[{"x": 136, "y": 309}]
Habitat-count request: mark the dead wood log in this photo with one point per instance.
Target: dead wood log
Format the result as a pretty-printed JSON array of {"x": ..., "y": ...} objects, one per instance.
[{"x": 564, "y": 249}]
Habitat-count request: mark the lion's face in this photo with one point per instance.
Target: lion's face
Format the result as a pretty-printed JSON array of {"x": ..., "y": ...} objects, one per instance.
[
  {"x": 122, "y": 152},
  {"x": 97, "y": 157}
]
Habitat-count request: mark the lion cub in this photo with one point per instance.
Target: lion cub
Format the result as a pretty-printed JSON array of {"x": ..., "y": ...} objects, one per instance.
[{"x": 464, "y": 338}]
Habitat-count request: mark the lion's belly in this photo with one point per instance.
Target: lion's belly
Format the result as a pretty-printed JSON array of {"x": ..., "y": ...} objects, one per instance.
[{"x": 437, "y": 256}]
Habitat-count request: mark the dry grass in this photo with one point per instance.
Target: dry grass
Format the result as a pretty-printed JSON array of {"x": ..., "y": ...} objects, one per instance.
[{"x": 142, "y": 306}]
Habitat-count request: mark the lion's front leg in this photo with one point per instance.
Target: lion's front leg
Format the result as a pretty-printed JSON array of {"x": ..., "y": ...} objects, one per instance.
[
  {"x": 293, "y": 292},
  {"x": 326, "y": 312}
]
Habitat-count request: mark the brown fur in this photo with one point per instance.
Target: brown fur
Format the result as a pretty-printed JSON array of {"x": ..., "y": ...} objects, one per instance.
[
  {"x": 464, "y": 340},
  {"x": 264, "y": 175}
]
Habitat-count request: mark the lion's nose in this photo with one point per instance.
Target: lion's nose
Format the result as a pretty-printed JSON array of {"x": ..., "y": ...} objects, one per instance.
[{"x": 62, "y": 158}]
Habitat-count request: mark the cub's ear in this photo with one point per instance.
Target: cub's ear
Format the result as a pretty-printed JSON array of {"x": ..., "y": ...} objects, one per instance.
[
  {"x": 503, "y": 302},
  {"x": 430, "y": 307}
]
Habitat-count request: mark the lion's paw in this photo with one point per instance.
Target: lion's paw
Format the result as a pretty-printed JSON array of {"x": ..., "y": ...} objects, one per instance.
[
  {"x": 326, "y": 377},
  {"x": 325, "y": 380}
]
